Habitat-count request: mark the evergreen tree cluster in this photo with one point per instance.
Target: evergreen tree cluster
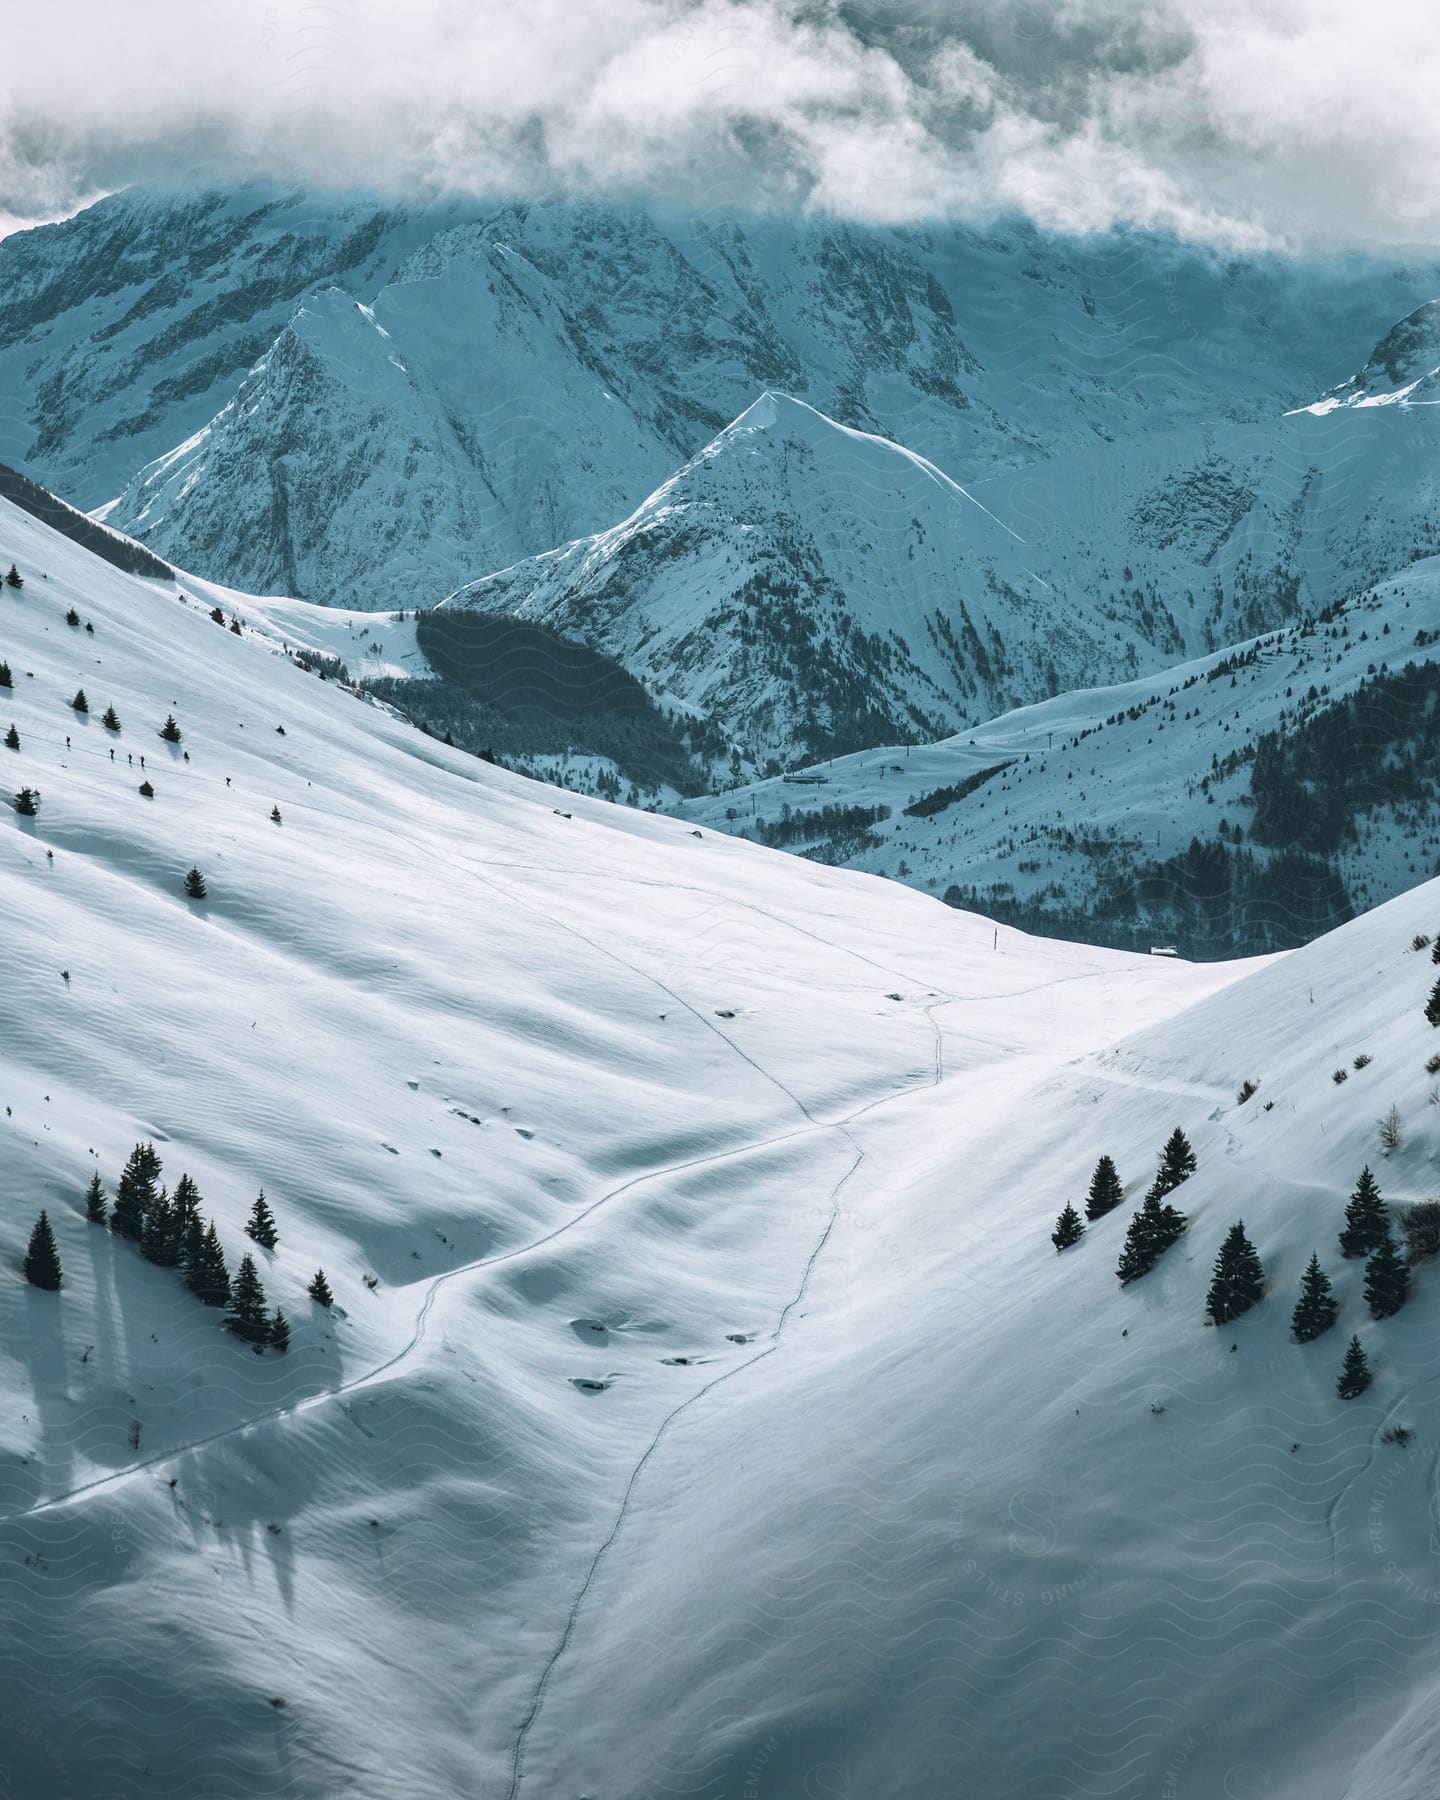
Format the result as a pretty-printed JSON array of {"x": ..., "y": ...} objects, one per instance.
[
  {"x": 1157, "y": 1225},
  {"x": 172, "y": 1232},
  {"x": 1366, "y": 1232},
  {"x": 1151, "y": 1232}
]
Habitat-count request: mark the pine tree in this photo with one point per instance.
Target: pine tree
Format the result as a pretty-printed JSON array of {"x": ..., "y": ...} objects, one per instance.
[
  {"x": 1151, "y": 1232},
  {"x": 1177, "y": 1162},
  {"x": 42, "y": 1259},
  {"x": 1106, "y": 1192},
  {"x": 159, "y": 1238},
  {"x": 146, "y": 791},
  {"x": 1432, "y": 1005},
  {"x": 1355, "y": 1374},
  {"x": 170, "y": 731},
  {"x": 1317, "y": 1308},
  {"x": 1387, "y": 1280},
  {"x": 1137, "y": 1255},
  {"x": 12, "y": 738},
  {"x": 189, "y": 1226},
  {"x": 195, "y": 885},
  {"x": 14, "y": 577},
  {"x": 246, "y": 1317},
  {"x": 319, "y": 1289},
  {"x": 6, "y": 678},
  {"x": 262, "y": 1223},
  {"x": 235, "y": 627},
  {"x": 110, "y": 719},
  {"x": 72, "y": 618},
  {"x": 135, "y": 1193},
  {"x": 1367, "y": 1218},
  {"x": 1068, "y": 1229},
  {"x": 205, "y": 1273},
  {"x": 95, "y": 1202},
  {"x": 279, "y": 1335},
  {"x": 217, "y": 615},
  {"x": 80, "y": 704},
  {"x": 27, "y": 803},
  {"x": 1239, "y": 1278},
  {"x": 275, "y": 814}
]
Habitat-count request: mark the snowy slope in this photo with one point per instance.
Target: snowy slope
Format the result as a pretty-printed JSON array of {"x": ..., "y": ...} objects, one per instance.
[
  {"x": 762, "y": 1155},
  {"x": 1093, "y": 784},
  {"x": 1025, "y": 1533}
]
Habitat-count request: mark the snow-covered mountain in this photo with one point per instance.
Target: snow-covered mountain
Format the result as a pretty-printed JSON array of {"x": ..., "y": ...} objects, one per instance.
[
  {"x": 812, "y": 587},
  {"x": 814, "y": 590},
  {"x": 704, "y": 1408},
  {"x": 1403, "y": 369},
  {"x": 1078, "y": 814},
  {"x": 555, "y": 363}
]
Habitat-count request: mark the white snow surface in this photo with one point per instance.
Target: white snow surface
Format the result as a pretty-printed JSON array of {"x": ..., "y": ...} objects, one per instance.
[{"x": 866, "y": 1492}]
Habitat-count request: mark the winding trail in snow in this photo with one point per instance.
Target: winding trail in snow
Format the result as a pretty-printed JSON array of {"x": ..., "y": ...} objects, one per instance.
[
  {"x": 294, "y": 1408},
  {"x": 651, "y": 1450}
]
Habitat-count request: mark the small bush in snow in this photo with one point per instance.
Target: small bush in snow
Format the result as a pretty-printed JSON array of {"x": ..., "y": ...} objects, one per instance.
[
  {"x": 1420, "y": 941},
  {"x": 1340, "y": 1075},
  {"x": 1247, "y": 1092},
  {"x": 1432, "y": 1065},
  {"x": 1363, "y": 1061},
  {"x": 1391, "y": 1130},
  {"x": 1396, "y": 1434}
]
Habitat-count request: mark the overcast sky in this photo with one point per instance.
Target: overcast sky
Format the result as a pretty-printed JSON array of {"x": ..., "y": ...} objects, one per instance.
[{"x": 1296, "y": 123}]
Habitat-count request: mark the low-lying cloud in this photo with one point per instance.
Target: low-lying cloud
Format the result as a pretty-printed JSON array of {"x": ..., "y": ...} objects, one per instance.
[{"x": 1243, "y": 122}]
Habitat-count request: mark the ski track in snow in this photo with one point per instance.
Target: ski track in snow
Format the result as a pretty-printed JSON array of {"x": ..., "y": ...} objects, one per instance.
[
  {"x": 517, "y": 1775},
  {"x": 293, "y": 1409}
]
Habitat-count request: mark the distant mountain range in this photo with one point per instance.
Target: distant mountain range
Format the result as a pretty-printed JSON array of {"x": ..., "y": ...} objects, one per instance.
[{"x": 821, "y": 491}]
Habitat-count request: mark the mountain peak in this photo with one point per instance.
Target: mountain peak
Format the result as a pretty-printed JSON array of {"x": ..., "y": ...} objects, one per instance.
[{"x": 1403, "y": 369}]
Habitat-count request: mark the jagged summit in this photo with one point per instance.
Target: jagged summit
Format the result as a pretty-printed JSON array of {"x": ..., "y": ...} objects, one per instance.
[
  {"x": 813, "y": 586},
  {"x": 1403, "y": 369}
]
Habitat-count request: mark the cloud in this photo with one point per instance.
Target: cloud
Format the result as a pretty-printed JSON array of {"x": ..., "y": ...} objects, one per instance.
[{"x": 1267, "y": 122}]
